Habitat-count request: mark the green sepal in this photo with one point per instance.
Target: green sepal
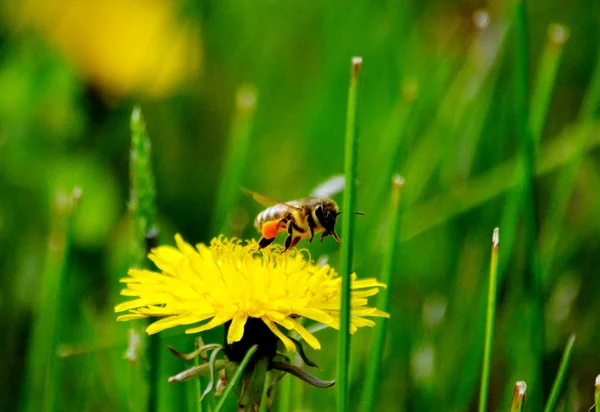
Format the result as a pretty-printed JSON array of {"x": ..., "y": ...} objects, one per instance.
[
  {"x": 198, "y": 352},
  {"x": 200, "y": 370},
  {"x": 302, "y": 354},
  {"x": 301, "y": 374}
]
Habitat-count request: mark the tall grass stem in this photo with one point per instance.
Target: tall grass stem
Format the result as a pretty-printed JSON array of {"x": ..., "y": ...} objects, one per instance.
[
  {"x": 518, "y": 399},
  {"x": 236, "y": 155},
  {"x": 44, "y": 366},
  {"x": 597, "y": 394},
  {"x": 527, "y": 202},
  {"x": 546, "y": 78},
  {"x": 560, "y": 376},
  {"x": 348, "y": 234},
  {"x": 489, "y": 322},
  {"x": 142, "y": 207},
  {"x": 389, "y": 264},
  {"x": 561, "y": 197},
  {"x": 236, "y": 377}
]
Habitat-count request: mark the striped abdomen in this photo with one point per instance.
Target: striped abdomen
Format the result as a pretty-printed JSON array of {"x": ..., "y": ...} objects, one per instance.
[{"x": 272, "y": 213}]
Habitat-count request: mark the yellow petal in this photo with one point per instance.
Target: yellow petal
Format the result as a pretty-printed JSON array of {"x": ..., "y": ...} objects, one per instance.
[
  {"x": 131, "y": 316},
  {"x": 166, "y": 258},
  {"x": 367, "y": 283},
  {"x": 219, "y": 319},
  {"x": 132, "y": 304},
  {"x": 171, "y": 322},
  {"x": 306, "y": 335},
  {"x": 365, "y": 293},
  {"x": 314, "y": 314},
  {"x": 289, "y": 345},
  {"x": 236, "y": 329}
]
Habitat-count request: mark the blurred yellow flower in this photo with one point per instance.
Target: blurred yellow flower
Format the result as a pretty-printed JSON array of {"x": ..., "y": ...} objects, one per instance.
[
  {"x": 230, "y": 282},
  {"x": 123, "y": 46}
]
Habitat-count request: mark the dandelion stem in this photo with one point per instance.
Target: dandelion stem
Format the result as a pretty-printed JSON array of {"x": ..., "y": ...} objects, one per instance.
[
  {"x": 236, "y": 378},
  {"x": 389, "y": 263},
  {"x": 348, "y": 233},
  {"x": 560, "y": 376},
  {"x": 235, "y": 159},
  {"x": 489, "y": 322},
  {"x": 518, "y": 400},
  {"x": 143, "y": 235}
]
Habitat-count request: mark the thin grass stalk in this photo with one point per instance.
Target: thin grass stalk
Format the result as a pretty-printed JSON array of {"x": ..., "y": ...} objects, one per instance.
[
  {"x": 389, "y": 263},
  {"x": 392, "y": 139},
  {"x": 236, "y": 378},
  {"x": 142, "y": 207},
  {"x": 560, "y": 376},
  {"x": 198, "y": 381},
  {"x": 348, "y": 232},
  {"x": 565, "y": 185},
  {"x": 597, "y": 394},
  {"x": 284, "y": 393},
  {"x": 591, "y": 100},
  {"x": 44, "y": 367},
  {"x": 518, "y": 400},
  {"x": 264, "y": 398},
  {"x": 534, "y": 320},
  {"x": 489, "y": 322},
  {"x": 236, "y": 155},
  {"x": 546, "y": 78}
]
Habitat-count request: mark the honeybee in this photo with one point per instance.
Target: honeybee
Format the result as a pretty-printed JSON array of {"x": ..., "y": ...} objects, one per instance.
[{"x": 302, "y": 218}]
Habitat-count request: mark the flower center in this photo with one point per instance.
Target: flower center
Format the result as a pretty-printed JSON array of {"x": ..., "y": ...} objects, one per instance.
[{"x": 255, "y": 333}]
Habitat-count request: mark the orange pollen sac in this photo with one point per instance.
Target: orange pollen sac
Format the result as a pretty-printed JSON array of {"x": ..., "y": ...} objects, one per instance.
[{"x": 269, "y": 230}]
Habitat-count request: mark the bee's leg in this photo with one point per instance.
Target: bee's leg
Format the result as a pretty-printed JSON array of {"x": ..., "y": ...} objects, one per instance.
[
  {"x": 290, "y": 242},
  {"x": 324, "y": 235},
  {"x": 287, "y": 244},
  {"x": 264, "y": 242},
  {"x": 311, "y": 225}
]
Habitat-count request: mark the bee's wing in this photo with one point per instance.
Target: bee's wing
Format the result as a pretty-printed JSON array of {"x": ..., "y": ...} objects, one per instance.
[
  {"x": 265, "y": 200},
  {"x": 330, "y": 187}
]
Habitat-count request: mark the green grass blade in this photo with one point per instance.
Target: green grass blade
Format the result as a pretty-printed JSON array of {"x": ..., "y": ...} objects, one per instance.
[
  {"x": 389, "y": 263},
  {"x": 142, "y": 190},
  {"x": 44, "y": 366},
  {"x": 284, "y": 393},
  {"x": 591, "y": 100},
  {"x": 236, "y": 378},
  {"x": 562, "y": 194},
  {"x": 348, "y": 234},
  {"x": 142, "y": 207},
  {"x": 526, "y": 202},
  {"x": 597, "y": 394},
  {"x": 560, "y": 376},
  {"x": 546, "y": 78},
  {"x": 235, "y": 159},
  {"x": 489, "y": 322},
  {"x": 501, "y": 179},
  {"x": 518, "y": 400}
]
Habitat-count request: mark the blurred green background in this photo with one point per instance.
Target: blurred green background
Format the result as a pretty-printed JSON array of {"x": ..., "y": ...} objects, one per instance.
[{"x": 437, "y": 106}]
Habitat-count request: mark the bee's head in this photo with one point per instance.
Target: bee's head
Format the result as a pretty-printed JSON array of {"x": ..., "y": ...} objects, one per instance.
[{"x": 327, "y": 213}]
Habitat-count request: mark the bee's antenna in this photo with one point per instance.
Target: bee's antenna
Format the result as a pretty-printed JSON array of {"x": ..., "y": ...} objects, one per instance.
[{"x": 357, "y": 213}]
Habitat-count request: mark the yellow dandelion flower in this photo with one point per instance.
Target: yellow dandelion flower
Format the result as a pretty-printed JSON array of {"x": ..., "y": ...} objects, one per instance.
[{"x": 231, "y": 283}]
